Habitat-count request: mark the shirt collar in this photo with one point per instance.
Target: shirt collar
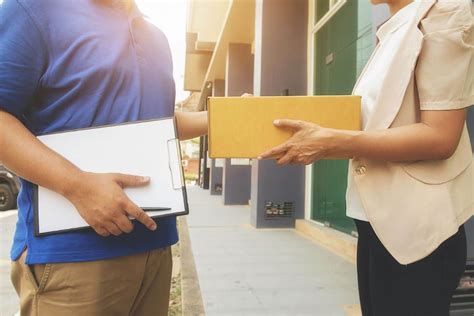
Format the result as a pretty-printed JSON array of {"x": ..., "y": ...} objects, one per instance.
[
  {"x": 135, "y": 11},
  {"x": 120, "y": 5},
  {"x": 398, "y": 20}
]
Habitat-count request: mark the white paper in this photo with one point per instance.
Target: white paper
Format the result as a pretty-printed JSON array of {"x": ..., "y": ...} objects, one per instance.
[
  {"x": 220, "y": 163},
  {"x": 209, "y": 161},
  {"x": 239, "y": 162},
  {"x": 144, "y": 149}
]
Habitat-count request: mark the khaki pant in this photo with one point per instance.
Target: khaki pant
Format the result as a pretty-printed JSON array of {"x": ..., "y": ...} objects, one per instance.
[{"x": 132, "y": 285}]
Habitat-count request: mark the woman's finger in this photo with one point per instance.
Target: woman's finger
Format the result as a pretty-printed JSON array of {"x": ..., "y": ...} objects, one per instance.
[
  {"x": 298, "y": 160},
  {"x": 275, "y": 152},
  {"x": 308, "y": 161},
  {"x": 286, "y": 159},
  {"x": 294, "y": 125},
  {"x": 313, "y": 158}
]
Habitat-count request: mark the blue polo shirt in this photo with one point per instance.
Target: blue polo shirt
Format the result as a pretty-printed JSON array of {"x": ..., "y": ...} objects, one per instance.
[{"x": 67, "y": 64}]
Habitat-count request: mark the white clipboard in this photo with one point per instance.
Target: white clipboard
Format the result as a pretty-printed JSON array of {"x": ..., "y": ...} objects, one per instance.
[{"x": 146, "y": 148}]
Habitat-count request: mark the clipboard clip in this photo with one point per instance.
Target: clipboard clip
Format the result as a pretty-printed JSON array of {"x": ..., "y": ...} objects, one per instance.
[{"x": 174, "y": 163}]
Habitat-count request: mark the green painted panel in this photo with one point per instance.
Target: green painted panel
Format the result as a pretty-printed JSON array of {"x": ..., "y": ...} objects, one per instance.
[
  {"x": 342, "y": 29},
  {"x": 365, "y": 47},
  {"x": 329, "y": 189},
  {"x": 335, "y": 41},
  {"x": 342, "y": 71},
  {"x": 321, "y": 71},
  {"x": 343, "y": 46},
  {"x": 321, "y": 8},
  {"x": 364, "y": 16},
  {"x": 366, "y": 36}
]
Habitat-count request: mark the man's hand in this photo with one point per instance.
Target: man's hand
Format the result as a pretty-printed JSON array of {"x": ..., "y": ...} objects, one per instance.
[{"x": 100, "y": 200}]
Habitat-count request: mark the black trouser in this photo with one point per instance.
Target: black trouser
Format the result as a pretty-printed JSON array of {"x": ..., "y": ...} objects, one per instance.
[{"x": 423, "y": 288}]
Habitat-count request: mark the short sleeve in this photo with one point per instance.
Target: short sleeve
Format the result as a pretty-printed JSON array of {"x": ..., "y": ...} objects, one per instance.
[
  {"x": 23, "y": 58},
  {"x": 445, "y": 70}
]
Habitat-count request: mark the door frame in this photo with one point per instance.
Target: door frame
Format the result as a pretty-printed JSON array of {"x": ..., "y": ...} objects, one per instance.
[{"x": 313, "y": 28}]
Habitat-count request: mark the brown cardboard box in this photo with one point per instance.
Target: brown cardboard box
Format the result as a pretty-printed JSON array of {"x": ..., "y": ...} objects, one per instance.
[{"x": 242, "y": 127}]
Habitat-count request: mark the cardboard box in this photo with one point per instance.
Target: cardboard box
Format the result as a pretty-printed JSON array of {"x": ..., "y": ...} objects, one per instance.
[{"x": 242, "y": 127}]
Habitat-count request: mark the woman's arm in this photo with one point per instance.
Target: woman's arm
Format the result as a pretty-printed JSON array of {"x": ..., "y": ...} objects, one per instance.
[
  {"x": 444, "y": 85},
  {"x": 191, "y": 124},
  {"x": 436, "y": 137}
]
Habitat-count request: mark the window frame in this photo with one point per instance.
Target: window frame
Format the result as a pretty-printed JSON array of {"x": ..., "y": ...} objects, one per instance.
[{"x": 334, "y": 7}]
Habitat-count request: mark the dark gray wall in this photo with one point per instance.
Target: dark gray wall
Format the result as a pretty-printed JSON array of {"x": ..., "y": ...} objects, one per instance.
[
  {"x": 216, "y": 179},
  {"x": 280, "y": 47},
  {"x": 215, "y": 186},
  {"x": 280, "y": 64},
  {"x": 239, "y": 80},
  {"x": 239, "y": 70},
  {"x": 236, "y": 189}
]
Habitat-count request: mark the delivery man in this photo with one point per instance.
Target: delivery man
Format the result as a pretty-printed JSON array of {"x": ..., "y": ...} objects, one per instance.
[{"x": 75, "y": 64}]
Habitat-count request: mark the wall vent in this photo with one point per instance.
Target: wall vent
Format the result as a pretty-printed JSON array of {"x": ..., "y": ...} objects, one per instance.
[
  {"x": 279, "y": 210},
  {"x": 463, "y": 299}
]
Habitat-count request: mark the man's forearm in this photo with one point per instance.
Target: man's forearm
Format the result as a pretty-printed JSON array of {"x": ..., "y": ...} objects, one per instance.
[
  {"x": 26, "y": 156},
  {"x": 191, "y": 124}
]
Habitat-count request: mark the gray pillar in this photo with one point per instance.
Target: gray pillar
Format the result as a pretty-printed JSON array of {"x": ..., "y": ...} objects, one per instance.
[
  {"x": 280, "y": 68},
  {"x": 218, "y": 90},
  {"x": 239, "y": 80}
]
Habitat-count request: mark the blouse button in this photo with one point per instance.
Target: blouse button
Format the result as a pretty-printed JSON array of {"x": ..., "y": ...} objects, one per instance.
[{"x": 361, "y": 170}]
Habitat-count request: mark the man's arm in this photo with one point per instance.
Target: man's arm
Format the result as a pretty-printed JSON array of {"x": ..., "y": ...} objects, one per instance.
[
  {"x": 191, "y": 124},
  {"x": 99, "y": 198}
]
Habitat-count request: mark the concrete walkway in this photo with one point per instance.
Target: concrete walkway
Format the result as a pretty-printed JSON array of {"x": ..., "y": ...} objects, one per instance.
[
  {"x": 245, "y": 271},
  {"x": 8, "y": 299}
]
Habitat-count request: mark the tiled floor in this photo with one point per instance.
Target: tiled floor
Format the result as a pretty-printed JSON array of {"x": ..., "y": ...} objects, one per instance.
[{"x": 245, "y": 271}]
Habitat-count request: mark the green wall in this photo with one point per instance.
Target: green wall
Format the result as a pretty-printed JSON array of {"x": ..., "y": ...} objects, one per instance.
[{"x": 342, "y": 47}]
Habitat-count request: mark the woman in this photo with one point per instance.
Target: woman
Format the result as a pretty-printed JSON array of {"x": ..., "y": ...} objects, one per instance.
[{"x": 410, "y": 184}]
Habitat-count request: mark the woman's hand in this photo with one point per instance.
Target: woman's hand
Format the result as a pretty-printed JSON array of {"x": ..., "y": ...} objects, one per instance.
[
  {"x": 436, "y": 137},
  {"x": 309, "y": 143}
]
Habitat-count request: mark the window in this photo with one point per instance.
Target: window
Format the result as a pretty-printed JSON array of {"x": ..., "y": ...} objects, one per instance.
[
  {"x": 333, "y": 3},
  {"x": 324, "y": 10}
]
